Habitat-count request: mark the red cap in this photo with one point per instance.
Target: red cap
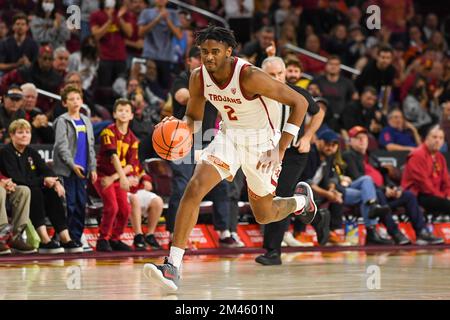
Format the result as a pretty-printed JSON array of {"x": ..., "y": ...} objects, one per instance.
[
  {"x": 353, "y": 132},
  {"x": 45, "y": 49}
]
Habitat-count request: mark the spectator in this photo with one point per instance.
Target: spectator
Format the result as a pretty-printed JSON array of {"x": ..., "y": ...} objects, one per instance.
[
  {"x": 399, "y": 134},
  {"x": 431, "y": 25},
  {"x": 338, "y": 43},
  {"x": 239, "y": 14},
  {"x": 185, "y": 43},
  {"x": 117, "y": 159},
  {"x": 338, "y": 90},
  {"x": 87, "y": 8},
  {"x": 255, "y": 51},
  {"x": 426, "y": 174},
  {"x": 133, "y": 43},
  {"x": 109, "y": 28},
  {"x": 25, "y": 167},
  {"x": 312, "y": 65},
  {"x": 143, "y": 123},
  {"x": 49, "y": 26},
  {"x": 61, "y": 60},
  {"x": 74, "y": 158},
  {"x": 263, "y": 16},
  {"x": 18, "y": 198},
  {"x": 325, "y": 174},
  {"x": 150, "y": 83},
  {"x": 288, "y": 35},
  {"x": 294, "y": 73},
  {"x": 388, "y": 192},
  {"x": 416, "y": 44},
  {"x": 41, "y": 130},
  {"x": 158, "y": 25},
  {"x": 18, "y": 49},
  {"x": 356, "y": 46},
  {"x": 417, "y": 106},
  {"x": 11, "y": 110},
  {"x": 285, "y": 15},
  {"x": 86, "y": 62},
  {"x": 437, "y": 42},
  {"x": 145, "y": 203},
  {"x": 40, "y": 73},
  {"x": 445, "y": 122},
  {"x": 364, "y": 112},
  {"x": 4, "y": 30},
  {"x": 379, "y": 74}
]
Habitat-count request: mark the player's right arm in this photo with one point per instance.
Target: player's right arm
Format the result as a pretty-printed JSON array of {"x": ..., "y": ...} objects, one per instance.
[{"x": 196, "y": 103}]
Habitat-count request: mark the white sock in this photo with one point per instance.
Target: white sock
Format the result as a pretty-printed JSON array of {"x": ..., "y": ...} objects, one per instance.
[
  {"x": 301, "y": 202},
  {"x": 176, "y": 256},
  {"x": 225, "y": 234}
]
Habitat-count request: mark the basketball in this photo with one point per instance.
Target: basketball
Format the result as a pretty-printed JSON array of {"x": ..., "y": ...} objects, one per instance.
[{"x": 172, "y": 140}]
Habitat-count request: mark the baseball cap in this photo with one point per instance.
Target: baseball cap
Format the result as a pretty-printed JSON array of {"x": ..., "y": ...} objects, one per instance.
[
  {"x": 45, "y": 49},
  {"x": 353, "y": 132},
  {"x": 14, "y": 92},
  {"x": 328, "y": 136}
]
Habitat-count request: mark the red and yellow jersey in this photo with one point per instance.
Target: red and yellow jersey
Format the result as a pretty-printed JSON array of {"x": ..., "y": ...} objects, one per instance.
[{"x": 124, "y": 145}]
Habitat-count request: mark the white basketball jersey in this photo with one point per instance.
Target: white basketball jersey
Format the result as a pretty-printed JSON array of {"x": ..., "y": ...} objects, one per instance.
[{"x": 238, "y": 111}]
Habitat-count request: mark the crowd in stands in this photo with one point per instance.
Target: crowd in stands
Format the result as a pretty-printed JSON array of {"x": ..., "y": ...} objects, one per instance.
[{"x": 136, "y": 55}]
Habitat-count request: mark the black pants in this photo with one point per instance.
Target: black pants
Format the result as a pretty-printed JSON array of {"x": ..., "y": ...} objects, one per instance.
[
  {"x": 292, "y": 168},
  {"x": 109, "y": 71},
  {"x": 434, "y": 204},
  {"x": 46, "y": 202},
  {"x": 165, "y": 70}
]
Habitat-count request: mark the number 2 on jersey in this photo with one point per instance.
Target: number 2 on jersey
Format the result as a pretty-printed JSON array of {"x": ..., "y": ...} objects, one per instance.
[{"x": 230, "y": 113}]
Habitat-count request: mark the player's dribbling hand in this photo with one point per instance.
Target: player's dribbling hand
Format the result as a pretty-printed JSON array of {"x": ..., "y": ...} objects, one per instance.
[{"x": 165, "y": 120}]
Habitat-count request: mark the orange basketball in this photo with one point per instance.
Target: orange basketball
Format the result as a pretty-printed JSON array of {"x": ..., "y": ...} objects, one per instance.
[{"x": 172, "y": 140}]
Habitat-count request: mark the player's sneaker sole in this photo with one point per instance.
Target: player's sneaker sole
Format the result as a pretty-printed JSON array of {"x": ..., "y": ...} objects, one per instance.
[
  {"x": 156, "y": 277},
  {"x": 309, "y": 212}
]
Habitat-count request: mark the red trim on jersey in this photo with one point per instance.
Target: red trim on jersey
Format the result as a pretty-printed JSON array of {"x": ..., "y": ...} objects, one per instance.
[
  {"x": 229, "y": 79},
  {"x": 240, "y": 85},
  {"x": 202, "y": 81},
  {"x": 267, "y": 112}
]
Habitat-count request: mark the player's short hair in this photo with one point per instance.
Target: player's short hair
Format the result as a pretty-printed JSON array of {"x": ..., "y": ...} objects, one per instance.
[
  {"x": 122, "y": 102},
  {"x": 271, "y": 60},
  {"x": 216, "y": 33},
  {"x": 18, "y": 124},
  {"x": 69, "y": 89}
]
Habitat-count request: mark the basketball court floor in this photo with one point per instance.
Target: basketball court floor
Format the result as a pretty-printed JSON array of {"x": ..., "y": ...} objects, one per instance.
[{"x": 408, "y": 274}]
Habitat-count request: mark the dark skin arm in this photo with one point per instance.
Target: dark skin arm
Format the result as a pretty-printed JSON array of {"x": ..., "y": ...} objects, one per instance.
[
  {"x": 196, "y": 103},
  {"x": 257, "y": 82}
]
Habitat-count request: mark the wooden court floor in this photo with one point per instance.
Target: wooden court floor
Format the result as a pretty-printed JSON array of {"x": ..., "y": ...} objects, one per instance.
[{"x": 307, "y": 275}]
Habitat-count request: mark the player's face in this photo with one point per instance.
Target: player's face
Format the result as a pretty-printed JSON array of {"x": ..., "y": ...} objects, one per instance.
[
  {"x": 73, "y": 102},
  {"x": 276, "y": 70},
  {"x": 123, "y": 113},
  {"x": 214, "y": 54},
  {"x": 22, "y": 137}
]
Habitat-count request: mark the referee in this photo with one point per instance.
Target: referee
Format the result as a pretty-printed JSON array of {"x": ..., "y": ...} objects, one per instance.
[{"x": 293, "y": 164}]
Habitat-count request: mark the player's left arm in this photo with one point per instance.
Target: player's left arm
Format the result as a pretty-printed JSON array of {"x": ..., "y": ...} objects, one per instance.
[{"x": 257, "y": 82}]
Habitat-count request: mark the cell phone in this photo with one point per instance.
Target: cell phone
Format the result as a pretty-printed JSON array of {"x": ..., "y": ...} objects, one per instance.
[{"x": 142, "y": 62}]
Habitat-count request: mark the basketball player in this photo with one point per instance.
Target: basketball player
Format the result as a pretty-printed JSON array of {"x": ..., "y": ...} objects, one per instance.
[{"x": 246, "y": 98}]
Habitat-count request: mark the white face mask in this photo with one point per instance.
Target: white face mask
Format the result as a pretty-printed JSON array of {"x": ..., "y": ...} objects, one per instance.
[
  {"x": 48, "y": 6},
  {"x": 110, "y": 3}
]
